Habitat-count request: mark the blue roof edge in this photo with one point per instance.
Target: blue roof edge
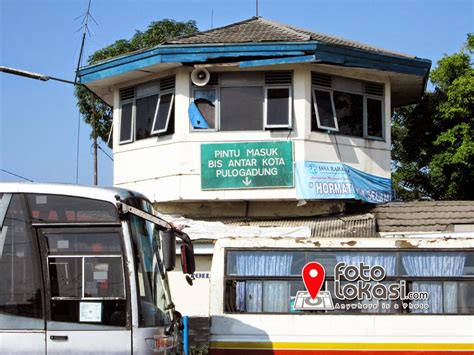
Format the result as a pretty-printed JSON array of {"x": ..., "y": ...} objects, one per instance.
[{"x": 323, "y": 52}]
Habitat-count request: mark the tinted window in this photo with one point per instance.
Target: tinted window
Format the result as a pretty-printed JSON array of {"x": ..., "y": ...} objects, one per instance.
[
  {"x": 349, "y": 112},
  {"x": 145, "y": 111},
  {"x": 126, "y": 122},
  {"x": 86, "y": 277},
  {"x": 63, "y": 243},
  {"x": 163, "y": 114},
  {"x": 20, "y": 279},
  {"x": 65, "y": 277},
  {"x": 278, "y": 106},
  {"x": 58, "y": 208},
  {"x": 241, "y": 109},
  {"x": 374, "y": 118},
  {"x": 325, "y": 110}
]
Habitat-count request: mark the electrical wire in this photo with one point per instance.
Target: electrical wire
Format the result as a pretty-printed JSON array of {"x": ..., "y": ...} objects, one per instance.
[
  {"x": 21, "y": 177},
  {"x": 98, "y": 146}
]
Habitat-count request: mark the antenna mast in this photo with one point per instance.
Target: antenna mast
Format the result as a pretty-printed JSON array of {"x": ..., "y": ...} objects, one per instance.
[
  {"x": 85, "y": 30},
  {"x": 256, "y": 8}
]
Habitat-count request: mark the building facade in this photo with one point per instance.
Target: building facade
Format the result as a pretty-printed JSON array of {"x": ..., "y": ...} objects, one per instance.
[{"x": 255, "y": 119}]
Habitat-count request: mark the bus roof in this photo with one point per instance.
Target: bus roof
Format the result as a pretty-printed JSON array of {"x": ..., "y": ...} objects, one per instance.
[{"x": 96, "y": 193}]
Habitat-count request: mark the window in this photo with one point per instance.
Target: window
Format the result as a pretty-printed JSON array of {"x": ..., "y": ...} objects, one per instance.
[
  {"x": 374, "y": 115},
  {"x": 268, "y": 281},
  {"x": 349, "y": 113},
  {"x": 147, "y": 110},
  {"x": 126, "y": 123},
  {"x": 278, "y": 107},
  {"x": 70, "y": 209},
  {"x": 243, "y": 101},
  {"x": 20, "y": 281},
  {"x": 202, "y": 111},
  {"x": 151, "y": 291},
  {"x": 86, "y": 277},
  {"x": 163, "y": 113},
  {"x": 347, "y": 106},
  {"x": 324, "y": 108},
  {"x": 241, "y": 109}
]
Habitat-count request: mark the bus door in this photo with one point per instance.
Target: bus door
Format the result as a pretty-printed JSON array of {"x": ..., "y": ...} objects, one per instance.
[{"x": 87, "y": 298}]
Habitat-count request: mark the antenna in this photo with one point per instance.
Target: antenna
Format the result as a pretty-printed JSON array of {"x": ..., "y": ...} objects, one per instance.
[
  {"x": 256, "y": 8},
  {"x": 85, "y": 30},
  {"x": 212, "y": 19}
]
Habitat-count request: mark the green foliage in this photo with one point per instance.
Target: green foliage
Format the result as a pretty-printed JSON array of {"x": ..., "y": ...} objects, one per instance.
[
  {"x": 156, "y": 33},
  {"x": 433, "y": 141}
]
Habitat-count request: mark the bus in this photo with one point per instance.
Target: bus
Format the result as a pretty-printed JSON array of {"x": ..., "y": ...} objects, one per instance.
[
  {"x": 343, "y": 296},
  {"x": 84, "y": 270}
]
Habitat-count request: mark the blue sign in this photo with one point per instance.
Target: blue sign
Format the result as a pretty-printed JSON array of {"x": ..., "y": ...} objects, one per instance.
[{"x": 319, "y": 180}]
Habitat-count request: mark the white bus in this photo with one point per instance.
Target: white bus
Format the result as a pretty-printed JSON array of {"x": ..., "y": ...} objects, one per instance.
[
  {"x": 84, "y": 270},
  {"x": 378, "y": 296}
]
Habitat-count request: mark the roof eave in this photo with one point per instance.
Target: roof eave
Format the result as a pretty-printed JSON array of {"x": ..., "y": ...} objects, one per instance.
[{"x": 281, "y": 51}]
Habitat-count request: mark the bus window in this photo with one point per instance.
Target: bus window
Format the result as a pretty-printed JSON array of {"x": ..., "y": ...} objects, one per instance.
[
  {"x": 86, "y": 277},
  {"x": 268, "y": 281},
  {"x": 68, "y": 209},
  {"x": 20, "y": 281},
  {"x": 151, "y": 293}
]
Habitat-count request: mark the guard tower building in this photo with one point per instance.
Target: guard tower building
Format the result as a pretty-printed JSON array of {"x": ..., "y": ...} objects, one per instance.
[
  {"x": 250, "y": 118},
  {"x": 255, "y": 120}
]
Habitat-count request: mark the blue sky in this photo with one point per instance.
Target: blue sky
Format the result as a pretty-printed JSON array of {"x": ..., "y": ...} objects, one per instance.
[{"x": 39, "y": 120}]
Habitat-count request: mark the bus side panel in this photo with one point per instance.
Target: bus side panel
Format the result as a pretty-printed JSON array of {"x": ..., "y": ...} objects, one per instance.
[
  {"x": 23, "y": 342},
  {"x": 321, "y": 334},
  {"x": 90, "y": 342}
]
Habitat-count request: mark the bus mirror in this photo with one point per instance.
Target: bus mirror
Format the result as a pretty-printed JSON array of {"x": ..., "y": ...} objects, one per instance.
[
  {"x": 168, "y": 243},
  {"x": 187, "y": 258}
]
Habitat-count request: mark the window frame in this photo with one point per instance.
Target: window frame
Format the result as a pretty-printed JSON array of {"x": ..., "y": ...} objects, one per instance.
[
  {"x": 168, "y": 116},
  {"x": 132, "y": 122},
  {"x": 266, "y": 125},
  {"x": 257, "y": 84},
  {"x": 394, "y": 278},
  {"x": 133, "y": 101},
  {"x": 366, "y": 116},
  {"x": 330, "y": 91},
  {"x": 216, "y": 89},
  {"x": 364, "y": 95}
]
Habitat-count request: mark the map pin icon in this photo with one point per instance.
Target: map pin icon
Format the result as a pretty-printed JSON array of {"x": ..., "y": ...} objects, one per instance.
[{"x": 313, "y": 277}]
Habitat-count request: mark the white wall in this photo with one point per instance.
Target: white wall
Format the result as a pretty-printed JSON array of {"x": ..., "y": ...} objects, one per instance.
[
  {"x": 192, "y": 300},
  {"x": 168, "y": 168}
]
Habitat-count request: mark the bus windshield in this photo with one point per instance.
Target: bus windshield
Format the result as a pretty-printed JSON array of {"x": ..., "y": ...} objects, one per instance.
[{"x": 150, "y": 286}]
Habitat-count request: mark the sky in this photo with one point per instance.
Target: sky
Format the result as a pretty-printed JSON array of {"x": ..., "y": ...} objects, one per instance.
[{"x": 39, "y": 120}]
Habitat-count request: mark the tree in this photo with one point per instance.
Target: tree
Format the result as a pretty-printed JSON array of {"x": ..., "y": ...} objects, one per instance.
[
  {"x": 433, "y": 141},
  {"x": 156, "y": 33}
]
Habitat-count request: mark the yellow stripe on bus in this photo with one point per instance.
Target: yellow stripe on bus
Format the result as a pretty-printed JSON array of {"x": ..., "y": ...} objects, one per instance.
[{"x": 339, "y": 346}]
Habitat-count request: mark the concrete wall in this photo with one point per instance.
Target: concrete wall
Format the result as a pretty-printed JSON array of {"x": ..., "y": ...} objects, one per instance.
[
  {"x": 168, "y": 168},
  {"x": 192, "y": 300}
]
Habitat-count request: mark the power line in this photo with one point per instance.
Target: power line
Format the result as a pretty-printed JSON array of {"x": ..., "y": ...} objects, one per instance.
[
  {"x": 21, "y": 177},
  {"x": 98, "y": 146}
]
